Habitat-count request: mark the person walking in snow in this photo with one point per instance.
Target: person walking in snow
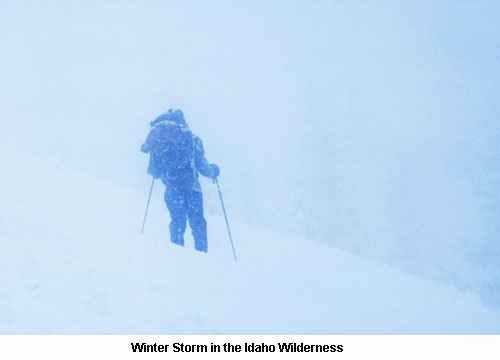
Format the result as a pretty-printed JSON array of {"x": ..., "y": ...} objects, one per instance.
[{"x": 176, "y": 157}]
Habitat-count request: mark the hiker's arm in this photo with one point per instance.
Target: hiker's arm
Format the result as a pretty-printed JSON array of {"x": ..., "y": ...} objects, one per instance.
[
  {"x": 150, "y": 141},
  {"x": 201, "y": 162}
]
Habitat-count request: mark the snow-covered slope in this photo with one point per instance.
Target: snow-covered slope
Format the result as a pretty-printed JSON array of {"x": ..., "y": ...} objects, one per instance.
[{"x": 73, "y": 262}]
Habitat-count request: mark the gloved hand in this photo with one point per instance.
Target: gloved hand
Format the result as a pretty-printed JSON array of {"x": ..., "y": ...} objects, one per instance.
[
  {"x": 215, "y": 170},
  {"x": 153, "y": 171},
  {"x": 154, "y": 168}
]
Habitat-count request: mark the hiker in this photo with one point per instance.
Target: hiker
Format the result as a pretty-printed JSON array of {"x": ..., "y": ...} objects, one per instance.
[{"x": 176, "y": 157}]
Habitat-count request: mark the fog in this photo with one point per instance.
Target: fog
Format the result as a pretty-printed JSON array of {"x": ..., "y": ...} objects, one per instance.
[{"x": 369, "y": 126}]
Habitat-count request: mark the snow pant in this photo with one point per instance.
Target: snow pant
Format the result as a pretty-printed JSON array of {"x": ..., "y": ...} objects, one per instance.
[{"x": 184, "y": 204}]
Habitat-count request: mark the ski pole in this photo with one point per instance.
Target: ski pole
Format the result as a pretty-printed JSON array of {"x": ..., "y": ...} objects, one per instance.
[
  {"x": 225, "y": 216},
  {"x": 147, "y": 205}
]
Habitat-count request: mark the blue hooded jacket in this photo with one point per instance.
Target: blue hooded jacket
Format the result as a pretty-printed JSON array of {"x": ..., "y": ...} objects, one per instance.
[{"x": 176, "y": 154}]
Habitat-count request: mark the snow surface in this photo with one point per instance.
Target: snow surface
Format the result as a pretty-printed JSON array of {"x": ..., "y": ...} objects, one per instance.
[{"x": 73, "y": 262}]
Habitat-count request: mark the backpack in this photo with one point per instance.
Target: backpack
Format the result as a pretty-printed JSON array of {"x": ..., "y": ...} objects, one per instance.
[{"x": 172, "y": 154}]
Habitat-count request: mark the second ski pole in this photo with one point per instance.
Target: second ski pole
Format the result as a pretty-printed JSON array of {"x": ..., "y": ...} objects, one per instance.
[
  {"x": 225, "y": 216},
  {"x": 147, "y": 205}
]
